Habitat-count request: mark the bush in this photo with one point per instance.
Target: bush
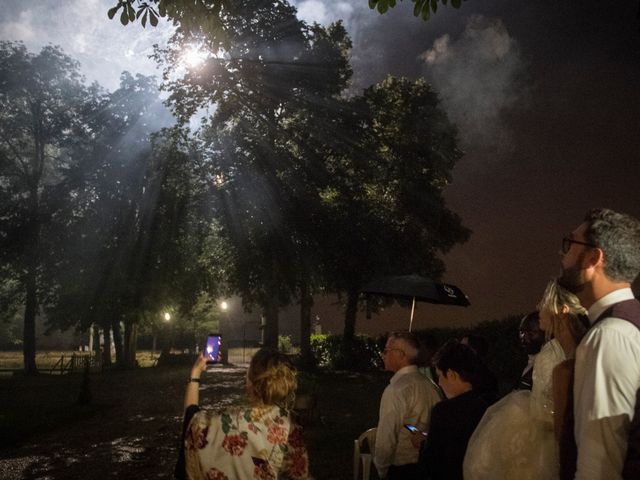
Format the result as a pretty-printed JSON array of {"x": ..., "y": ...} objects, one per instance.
[
  {"x": 505, "y": 357},
  {"x": 330, "y": 353},
  {"x": 285, "y": 345}
]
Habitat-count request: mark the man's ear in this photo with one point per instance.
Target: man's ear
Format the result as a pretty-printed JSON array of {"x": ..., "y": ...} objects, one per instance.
[
  {"x": 599, "y": 257},
  {"x": 595, "y": 257},
  {"x": 565, "y": 309},
  {"x": 453, "y": 376}
]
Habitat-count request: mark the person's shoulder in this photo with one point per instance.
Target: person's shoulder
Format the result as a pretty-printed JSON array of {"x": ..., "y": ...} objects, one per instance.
[
  {"x": 442, "y": 408},
  {"x": 613, "y": 329},
  {"x": 416, "y": 380}
]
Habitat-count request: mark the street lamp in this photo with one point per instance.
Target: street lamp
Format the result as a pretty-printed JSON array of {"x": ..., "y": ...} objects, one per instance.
[
  {"x": 167, "y": 318},
  {"x": 224, "y": 349}
]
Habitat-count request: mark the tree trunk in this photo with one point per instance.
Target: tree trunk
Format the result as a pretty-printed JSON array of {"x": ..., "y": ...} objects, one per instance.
[
  {"x": 306, "y": 302},
  {"x": 130, "y": 342},
  {"x": 29, "y": 336},
  {"x": 31, "y": 298},
  {"x": 96, "y": 339},
  {"x": 350, "y": 317},
  {"x": 106, "y": 350},
  {"x": 271, "y": 325},
  {"x": 349, "y": 328},
  {"x": 117, "y": 340}
]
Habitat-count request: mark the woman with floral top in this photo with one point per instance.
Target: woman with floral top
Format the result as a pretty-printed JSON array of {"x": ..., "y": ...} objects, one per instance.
[{"x": 259, "y": 442}]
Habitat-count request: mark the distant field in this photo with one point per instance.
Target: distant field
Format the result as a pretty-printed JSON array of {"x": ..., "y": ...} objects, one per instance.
[{"x": 46, "y": 360}]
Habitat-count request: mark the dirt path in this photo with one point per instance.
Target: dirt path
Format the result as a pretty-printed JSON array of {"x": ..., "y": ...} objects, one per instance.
[{"x": 131, "y": 433}]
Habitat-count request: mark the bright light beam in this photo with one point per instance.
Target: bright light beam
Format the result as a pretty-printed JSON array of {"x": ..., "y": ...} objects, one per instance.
[{"x": 193, "y": 56}]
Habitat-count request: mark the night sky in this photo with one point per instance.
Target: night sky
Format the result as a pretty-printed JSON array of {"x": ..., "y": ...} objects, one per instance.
[{"x": 545, "y": 94}]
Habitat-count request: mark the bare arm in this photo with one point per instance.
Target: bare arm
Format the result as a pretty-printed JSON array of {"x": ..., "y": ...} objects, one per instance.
[{"x": 191, "y": 395}]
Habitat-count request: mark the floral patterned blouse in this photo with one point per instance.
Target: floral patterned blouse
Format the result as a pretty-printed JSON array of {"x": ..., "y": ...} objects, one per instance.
[{"x": 245, "y": 443}]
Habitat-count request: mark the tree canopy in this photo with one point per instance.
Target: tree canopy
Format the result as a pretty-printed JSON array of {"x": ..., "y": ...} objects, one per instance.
[{"x": 288, "y": 188}]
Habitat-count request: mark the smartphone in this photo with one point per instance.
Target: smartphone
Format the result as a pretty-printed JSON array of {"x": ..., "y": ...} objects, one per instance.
[
  {"x": 212, "y": 347},
  {"x": 414, "y": 429}
]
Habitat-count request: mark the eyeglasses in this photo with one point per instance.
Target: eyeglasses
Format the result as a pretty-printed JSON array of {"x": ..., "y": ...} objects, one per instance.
[{"x": 566, "y": 244}]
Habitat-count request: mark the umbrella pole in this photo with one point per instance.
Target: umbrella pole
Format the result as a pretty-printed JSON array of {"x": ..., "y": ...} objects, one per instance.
[{"x": 413, "y": 308}]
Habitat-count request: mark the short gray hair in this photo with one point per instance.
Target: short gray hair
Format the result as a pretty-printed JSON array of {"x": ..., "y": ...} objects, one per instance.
[
  {"x": 618, "y": 236},
  {"x": 410, "y": 342}
]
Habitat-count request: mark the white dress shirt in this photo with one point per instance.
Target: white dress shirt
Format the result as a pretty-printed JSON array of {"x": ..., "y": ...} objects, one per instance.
[
  {"x": 408, "y": 398},
  {"x": 607, "y": 378}
]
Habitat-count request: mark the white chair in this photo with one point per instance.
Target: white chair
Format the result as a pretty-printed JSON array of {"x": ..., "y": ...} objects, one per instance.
[{"x": 364, "y": 459}]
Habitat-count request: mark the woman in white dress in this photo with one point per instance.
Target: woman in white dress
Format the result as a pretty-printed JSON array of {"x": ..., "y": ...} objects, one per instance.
[{"x": 515, "y": 438}]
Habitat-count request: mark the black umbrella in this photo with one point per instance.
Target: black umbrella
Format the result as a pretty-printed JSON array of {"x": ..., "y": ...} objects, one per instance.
[{"x": 415, "y": 287}]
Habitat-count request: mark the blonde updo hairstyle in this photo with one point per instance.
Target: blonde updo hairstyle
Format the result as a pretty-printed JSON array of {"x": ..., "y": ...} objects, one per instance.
[
  {"x": 553, "y": 300},
  {"x": 271, "y": 379}
]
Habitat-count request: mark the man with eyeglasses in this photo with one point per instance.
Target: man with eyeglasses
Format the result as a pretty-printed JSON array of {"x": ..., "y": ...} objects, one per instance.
[
  {"x": 600, "y": 259},
  {"x": 408, "y": 399}
]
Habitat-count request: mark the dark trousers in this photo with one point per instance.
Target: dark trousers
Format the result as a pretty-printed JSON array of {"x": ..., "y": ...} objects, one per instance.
[{"x": 410, "y": 471}]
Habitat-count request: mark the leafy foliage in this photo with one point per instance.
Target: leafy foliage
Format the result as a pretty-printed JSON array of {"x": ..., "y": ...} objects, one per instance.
[
  {"x": 421, "y": 8},
  {"x": 329, "y": 353},
  {"x": 41, "y": 117}
]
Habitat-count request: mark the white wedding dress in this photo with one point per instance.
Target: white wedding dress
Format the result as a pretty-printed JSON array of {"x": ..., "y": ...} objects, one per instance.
[{"x": 515, "y": 439}]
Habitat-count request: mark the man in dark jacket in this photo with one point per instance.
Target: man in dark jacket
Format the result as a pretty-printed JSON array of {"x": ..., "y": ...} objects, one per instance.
[{"x": 453, "y": 420}]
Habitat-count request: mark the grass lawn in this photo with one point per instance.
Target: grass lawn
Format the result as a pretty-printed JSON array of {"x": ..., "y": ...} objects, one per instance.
[
  {"x": 45, "y": 360},
  {"x": 131, "y": 429}
]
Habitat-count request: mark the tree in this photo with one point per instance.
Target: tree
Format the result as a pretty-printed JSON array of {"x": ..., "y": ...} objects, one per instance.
[
  {"x": 41, "y": 97},
  {"x": 108, "y": 189},
  {"x": 266, "y": 86},
  {"x": 385, "y": 211},
  {"x": 314, "y": 190}
]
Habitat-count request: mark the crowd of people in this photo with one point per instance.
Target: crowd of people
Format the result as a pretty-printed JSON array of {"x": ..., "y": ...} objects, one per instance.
[{"x": 572, "y": 414}]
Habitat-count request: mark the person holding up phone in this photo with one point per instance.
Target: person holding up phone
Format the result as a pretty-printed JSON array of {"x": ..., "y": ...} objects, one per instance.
[
  {"x": 212, "y": 349},
  {"x": 257, "y": 441}
]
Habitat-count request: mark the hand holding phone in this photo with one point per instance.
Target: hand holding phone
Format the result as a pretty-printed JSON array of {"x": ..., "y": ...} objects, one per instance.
[
  {"x": 212, "y": 348},
  {"x": 414, "y": 429}
]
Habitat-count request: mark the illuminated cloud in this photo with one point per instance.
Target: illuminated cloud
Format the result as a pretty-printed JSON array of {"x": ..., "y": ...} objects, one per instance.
[
  {"x": 479, "y": 77},
  {"x": 324, "y": 12}
]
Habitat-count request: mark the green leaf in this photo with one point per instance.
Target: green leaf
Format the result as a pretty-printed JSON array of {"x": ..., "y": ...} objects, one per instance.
[
  {"x": 140, "y": 11},
  {"x": 434, "y": 5},
  {"x": 383, "y": 7},
  {"x": 226, "y": 423},
  {"x": 426, "y": 12},
  {"x": 112, "y": 12},
  {"x": 162, "y": 8},
  {"x": 144, "y": 20},
  {"x": 372, "y": 4},
  {"x": 124, "y": 17},
  {"x": 132, "y": 13},
  {"x": 444, "y": 2},
  {"x": 392, "y": 3},
  {"x": 456, "y": 3},
  {"x": 417, "y": 7},
  {"x": 153, "y": 19}
]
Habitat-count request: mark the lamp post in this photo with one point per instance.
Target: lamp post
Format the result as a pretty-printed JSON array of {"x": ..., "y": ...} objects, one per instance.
[
  {"x": 167, "y": 318},
  {"x": 224, "y": 349}
]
